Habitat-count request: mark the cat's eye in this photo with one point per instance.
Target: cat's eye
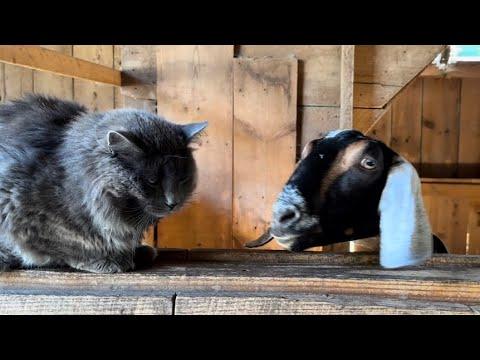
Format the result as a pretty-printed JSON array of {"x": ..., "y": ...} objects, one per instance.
[
  {"x": 152, "y": 180},
  {"x": 368, "y": 163}
]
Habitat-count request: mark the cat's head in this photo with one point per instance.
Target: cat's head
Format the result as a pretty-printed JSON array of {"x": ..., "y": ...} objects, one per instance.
[{"x": 152, "y": 157}]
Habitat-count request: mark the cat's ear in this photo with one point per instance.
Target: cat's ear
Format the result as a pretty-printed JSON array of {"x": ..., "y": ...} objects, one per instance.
[
  {"x": 192, "y": 130},
  {"x": 118, "y": 143}
]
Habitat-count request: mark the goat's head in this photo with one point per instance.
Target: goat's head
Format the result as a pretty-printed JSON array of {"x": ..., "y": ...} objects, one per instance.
[{"x": 348, "y": 186}]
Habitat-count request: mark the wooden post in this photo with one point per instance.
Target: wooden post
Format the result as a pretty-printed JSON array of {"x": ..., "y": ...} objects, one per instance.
[{"x": 346, "y": 86}]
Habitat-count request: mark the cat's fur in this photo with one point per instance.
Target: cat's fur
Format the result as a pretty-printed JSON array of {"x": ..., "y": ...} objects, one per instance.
[{"x": 80, "y": 189}]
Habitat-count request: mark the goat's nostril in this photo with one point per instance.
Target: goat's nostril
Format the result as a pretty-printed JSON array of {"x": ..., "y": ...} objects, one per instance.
[{"x": 287, "y": 216}]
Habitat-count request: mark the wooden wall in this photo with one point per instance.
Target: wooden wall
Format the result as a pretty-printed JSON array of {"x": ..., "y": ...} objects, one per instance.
[
  {"x": 185, "y": 84},
  {"x": 435, "y": 124}
]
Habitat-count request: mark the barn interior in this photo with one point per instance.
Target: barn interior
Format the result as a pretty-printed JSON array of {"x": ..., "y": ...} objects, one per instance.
[{"x": 263, "y": 104}]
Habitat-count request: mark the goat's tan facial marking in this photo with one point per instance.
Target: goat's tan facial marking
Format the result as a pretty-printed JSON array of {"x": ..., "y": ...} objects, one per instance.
[{"x": 343, "y": 162}]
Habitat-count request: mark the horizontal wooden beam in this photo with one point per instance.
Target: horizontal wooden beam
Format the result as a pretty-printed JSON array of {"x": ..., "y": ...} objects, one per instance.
[
  {"x": 458, "y": 70},
  {"x": 457, "y": 188},
  {"x": 38, "y": 58}
]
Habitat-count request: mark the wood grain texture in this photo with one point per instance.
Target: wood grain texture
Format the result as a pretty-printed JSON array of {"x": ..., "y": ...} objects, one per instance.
[
  {"x": 61, "y": 63},
  {"x": 84, "y": 305},
  {"x": 318, "y": 69},
  {"x": 462, "y": 70},
  {"x": 194, "y": 83},
  {"x": 18, "y": 82},
  {"x": 454, "y": 279},
  {"x": 381, "y": 71},
  {"x": 51, "y": 84},
  {"x": 139, "y": 71},
  {"x": 314, "y": 120},
  {"x": 407, "y": 123},
  {"x": 265, "y": 103},
  {"x": 440, "y": 127},
  {"x": 363, "y": 119},
  {"x": 382, "y": 130},
  {"x": 96, "y": 97},
  {"x": 253, "y": 304},
  {"x": 469, "y": 141},
  {"x": 346, "y": 86},
  {"x": 473, "y": 231}
]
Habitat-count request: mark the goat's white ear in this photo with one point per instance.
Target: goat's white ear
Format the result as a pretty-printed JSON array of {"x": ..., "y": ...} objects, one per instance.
[{"x": 405, "y": 233}]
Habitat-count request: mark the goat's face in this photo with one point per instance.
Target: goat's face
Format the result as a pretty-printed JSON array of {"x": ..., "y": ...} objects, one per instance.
[{"x": 336, "y": 192}]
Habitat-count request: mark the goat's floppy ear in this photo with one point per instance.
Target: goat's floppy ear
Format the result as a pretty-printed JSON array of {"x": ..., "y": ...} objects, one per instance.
[{"x": 405, "y": 234}]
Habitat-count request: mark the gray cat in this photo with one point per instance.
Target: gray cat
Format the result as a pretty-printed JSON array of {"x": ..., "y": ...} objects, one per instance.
[{"x": 79, "y": 189}]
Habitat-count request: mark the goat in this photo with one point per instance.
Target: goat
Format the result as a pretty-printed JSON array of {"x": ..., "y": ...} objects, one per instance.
[{"x": 348, "y": 186}]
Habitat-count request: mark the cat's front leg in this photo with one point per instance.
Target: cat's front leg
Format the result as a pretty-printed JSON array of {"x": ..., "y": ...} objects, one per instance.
[{"x": 144, "y": 257}]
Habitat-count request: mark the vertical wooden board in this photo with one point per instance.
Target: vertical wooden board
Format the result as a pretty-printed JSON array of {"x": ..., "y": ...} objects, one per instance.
[
  {"x": 449, "y": 220},
  {"x": 96, "y": 97},
  {"x": 117, "y": 64},
  {"x": 265, "y": 103},
  {"x": 2, "y": 83},
  {"x": 51, "y": 84},
  {"x": 313, "y": 121},
  {"x": 440, "y": 127},
  {"x": 194, "y": 83},
  {"x": 407, "y": 122},
  {"x": 318, "y": 69},
  {"x": 469, "y": 143},
  {"x": 363, "y": 119},
  {"x": 346, "y": 86},
  {"x": 383, "y": 129},
  {"x": 18, "y": 81},
  {"x": 473, "y": 240}
]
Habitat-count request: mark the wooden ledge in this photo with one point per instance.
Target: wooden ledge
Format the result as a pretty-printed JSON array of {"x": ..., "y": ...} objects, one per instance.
[{"x": 250, "y": 282}]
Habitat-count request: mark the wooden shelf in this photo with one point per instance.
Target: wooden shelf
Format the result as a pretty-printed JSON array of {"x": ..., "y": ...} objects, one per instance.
[
  {"x": 251, "y": 282},
  {"x": 451, "y": 187}
]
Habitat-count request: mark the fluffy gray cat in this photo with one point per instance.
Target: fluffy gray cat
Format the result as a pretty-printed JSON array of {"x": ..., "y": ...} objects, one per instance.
[{"x": 79, "y": 189}]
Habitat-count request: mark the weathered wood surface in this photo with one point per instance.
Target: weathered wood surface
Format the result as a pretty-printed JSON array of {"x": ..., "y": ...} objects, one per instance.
[
  {"x": 245, "y": 282},
  {"x": 459, "y": 70},
  {"x": 42, "y": 59},
  {"x": 194, "y": 83},
  {"x": 265, "y": 112},
  {"x": 346, "y": 86}
]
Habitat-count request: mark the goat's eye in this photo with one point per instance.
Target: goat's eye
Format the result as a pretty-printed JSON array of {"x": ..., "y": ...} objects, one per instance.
[{"x": 368, "y": 163}]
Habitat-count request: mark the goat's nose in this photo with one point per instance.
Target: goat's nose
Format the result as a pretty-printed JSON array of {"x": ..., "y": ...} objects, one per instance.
[{"x": 288, "y": 215}]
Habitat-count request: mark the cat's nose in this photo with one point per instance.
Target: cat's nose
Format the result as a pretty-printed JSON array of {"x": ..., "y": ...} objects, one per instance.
[{"x": 170, "y": 205}]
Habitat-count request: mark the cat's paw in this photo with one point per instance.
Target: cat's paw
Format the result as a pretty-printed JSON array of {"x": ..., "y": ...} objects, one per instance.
[
  {"x": 104, "y": 266},
  {"x": 144, "y": 257}
]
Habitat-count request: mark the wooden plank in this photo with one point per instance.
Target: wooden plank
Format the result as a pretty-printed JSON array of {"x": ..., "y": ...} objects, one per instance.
[
  {"x": 194, "y": 83},
  {"x": 51, "y": 84},
  {"x": 382, "y": 130},
  {"x": 473, "y": 231},
  {"x": 461, "y": 70},
  {"x": 469, "y": 142},
  {"x": 314, "y": 120},
  {"x": 441, "y": 283},
  {"x": 440, "y": 127},
  {"x": 265, "y": 103},
  {"x": 407, "y": 123},
  {"x": 139, "y": 71},
  {"x": 18, "y": 81},
  {"x": 96, "y": 97},
  {"x": 453, "y": 190},
  {"x": 37, "y": 58},
  {"x": 381, "y": 71},
  {"x": 346, "y": 86},
  {"x": 84, "y": 305},
  {"x": 364, "y": 119},
  {"x": 318, "y": 69},
  {"x": 2, "y": 83},
  {"x": 288, "y": 304},
  {"x": 117, "y": 64}
]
